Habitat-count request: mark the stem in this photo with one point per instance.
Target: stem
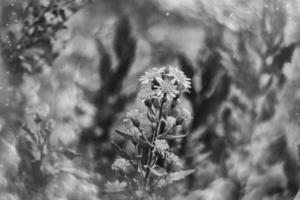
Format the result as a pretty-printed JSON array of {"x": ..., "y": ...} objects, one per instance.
[{"x": 150, "y": 160}]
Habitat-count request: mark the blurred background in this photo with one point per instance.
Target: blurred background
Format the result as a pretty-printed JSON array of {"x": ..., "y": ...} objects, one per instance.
[{"x": 76, "y": 64}]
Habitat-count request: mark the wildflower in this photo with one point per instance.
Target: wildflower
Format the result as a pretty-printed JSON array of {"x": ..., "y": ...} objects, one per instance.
[
  {"x": 121, "y": 164},
  {"x": 166, "y": 87},
  {"x": 180, "y": 77},
  {"x": 150, "y": 75},
  {"x": 161, "y": 145}
]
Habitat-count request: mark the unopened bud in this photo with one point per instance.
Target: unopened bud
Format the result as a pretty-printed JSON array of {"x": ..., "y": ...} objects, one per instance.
[
  {"x": 148, "y": 103},
  {"x": 136, "y": 122},
  {"x": 155, "y": 102}
]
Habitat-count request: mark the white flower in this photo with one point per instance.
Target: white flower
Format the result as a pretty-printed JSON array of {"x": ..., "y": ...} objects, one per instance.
[
  {"x": 120, "y": 164},
  {"x": 166, "y": 87},
  {"x": 180, "y": 77},
  {"x": 150, "y": 75}
]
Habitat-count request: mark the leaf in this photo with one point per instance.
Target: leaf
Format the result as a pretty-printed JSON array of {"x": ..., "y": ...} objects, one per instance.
[
  {"x": 151, "y": 117},
  {"x": 123, "y": 38},
  {"x": 132, "y": 138},
  {"x": 176, "y": 176},
  {"x": 169, "y": 137},
  {"x": 158, "y": 171},
  {"x": 105, "y": 64}
]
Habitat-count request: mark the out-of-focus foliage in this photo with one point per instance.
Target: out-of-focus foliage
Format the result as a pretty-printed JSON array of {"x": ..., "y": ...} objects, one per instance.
[{"x": 78, "y": 62}]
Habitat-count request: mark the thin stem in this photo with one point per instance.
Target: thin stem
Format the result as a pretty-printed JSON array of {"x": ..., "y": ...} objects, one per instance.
[{"x": 151, "y": 153}]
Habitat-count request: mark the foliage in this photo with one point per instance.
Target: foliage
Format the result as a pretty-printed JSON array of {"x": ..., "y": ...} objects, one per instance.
[{"x": 109, "y": 98}]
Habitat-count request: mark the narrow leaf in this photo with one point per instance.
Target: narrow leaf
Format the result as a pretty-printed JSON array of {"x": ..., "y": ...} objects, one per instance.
[
  {"x": 176, "y": 176},
  {"x": 166, "y": 136},
  {"x": 158, "y": 171}
]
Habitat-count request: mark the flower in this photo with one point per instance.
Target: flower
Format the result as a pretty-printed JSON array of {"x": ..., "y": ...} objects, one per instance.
[
  {"x": 120, "y": 164},
  {"x": 161, "y": 145},
  {"x": 150, "y": 75},
  {"x": 180, "y": 77},
  {"x": 166, "y": 87}
]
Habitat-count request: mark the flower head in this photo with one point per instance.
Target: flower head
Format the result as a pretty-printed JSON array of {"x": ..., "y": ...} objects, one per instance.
[
  {"x": 150, "y": 75},
  {"x": 166, "y": 87},
  {"x": 161, "y": 145},
  {"x": 120, "y": 164},
  {"x": 180, "y": 77}
]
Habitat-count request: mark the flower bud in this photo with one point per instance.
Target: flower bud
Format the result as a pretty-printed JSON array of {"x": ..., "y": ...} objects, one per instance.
[
  {"x": 151, "y": 117},
  {"x": 136, "y": 122},
  {"x": 155, "y": 103},
  {"x": 162, "y": 126},
  {"x": 148, "y": 103}
]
